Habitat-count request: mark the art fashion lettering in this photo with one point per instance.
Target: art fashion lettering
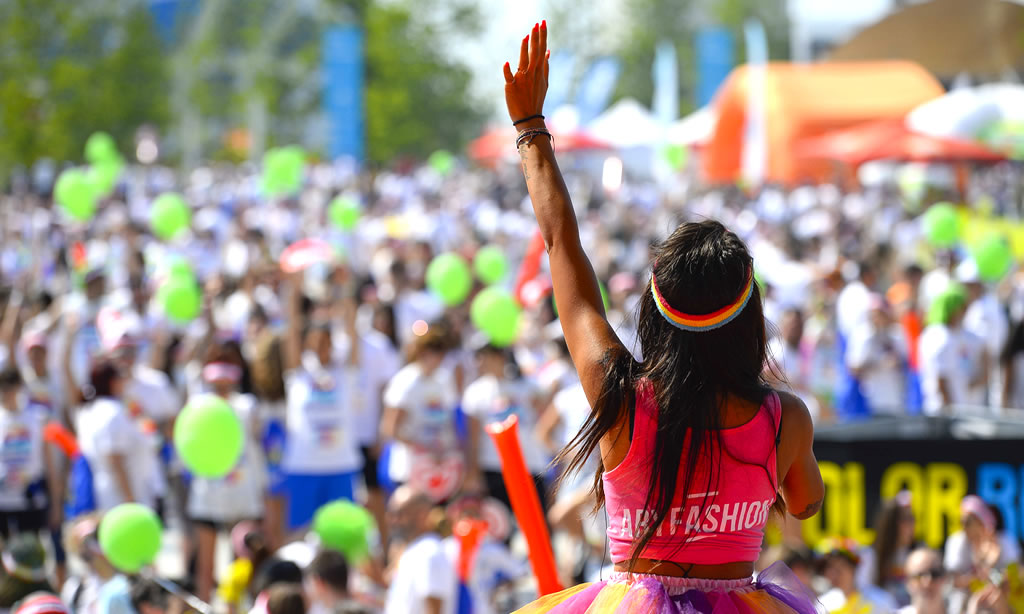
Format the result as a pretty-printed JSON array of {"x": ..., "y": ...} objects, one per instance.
[{"x": 685, "y": 520}]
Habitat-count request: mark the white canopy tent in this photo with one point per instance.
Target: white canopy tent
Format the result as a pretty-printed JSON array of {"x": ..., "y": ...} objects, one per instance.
[
  {"x": 964, "y": 113},
  {"x": 628, "y": 124},
  {"x": 694, "y": 129}
]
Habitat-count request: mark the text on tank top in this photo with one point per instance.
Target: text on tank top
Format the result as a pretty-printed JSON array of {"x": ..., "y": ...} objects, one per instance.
[{"x": 731, "y": 493}]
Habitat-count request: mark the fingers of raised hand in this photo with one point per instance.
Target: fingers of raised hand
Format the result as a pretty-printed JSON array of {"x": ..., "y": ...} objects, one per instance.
[
  {"x": 508, "y": 73},
  {"x": 542, "y": 53},
  {"x": 524, "y": 55},
  {"x": 535, "y": 47}
]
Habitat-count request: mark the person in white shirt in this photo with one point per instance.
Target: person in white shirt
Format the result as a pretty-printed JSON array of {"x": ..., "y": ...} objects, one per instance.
[
  {"x": 151, "y": 402},
  {"x": 321, "y": 452},
  {"x": 27, "y": 473},
  {"x": 947, "y": 354},
  {"x": 852, "y": 304},
  {"x": 789, "y": 364},
  {"x": 491, "y": 398},
  {"x": 419, "y": 419},
  {"x": 217, "y": 504},
  {"x": 112, "y": 443},
  {"x": 876, "y": 355},
  {"x": 987, "y": 319},
  {"x": 424, "y": 581},
  {"x": 379, "y": 361},
  {"x": 979, "y": 548}
]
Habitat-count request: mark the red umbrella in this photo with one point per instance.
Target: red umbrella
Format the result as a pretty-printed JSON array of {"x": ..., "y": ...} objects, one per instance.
[
  {"x": 500, "y": 142},
  {"x": 891, "y": 140}
]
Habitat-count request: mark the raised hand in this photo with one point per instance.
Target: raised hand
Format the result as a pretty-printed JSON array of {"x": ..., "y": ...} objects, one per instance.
[{"x": 525, "y": 90}]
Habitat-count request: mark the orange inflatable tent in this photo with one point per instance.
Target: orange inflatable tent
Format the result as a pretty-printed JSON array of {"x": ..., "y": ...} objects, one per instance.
[{"x": 805, "y": 100}]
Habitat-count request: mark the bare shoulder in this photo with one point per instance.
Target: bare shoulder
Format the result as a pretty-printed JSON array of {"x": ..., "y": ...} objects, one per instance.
[
  {"x": 796, "y": 419},
  {"x": 797, "y": 430}
]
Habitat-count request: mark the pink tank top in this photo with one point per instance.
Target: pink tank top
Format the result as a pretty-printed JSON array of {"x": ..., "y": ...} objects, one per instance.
[{"x": 723, "y": 523}]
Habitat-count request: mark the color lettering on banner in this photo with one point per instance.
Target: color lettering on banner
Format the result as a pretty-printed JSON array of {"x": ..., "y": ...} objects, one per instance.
[
  {"x": 935, "y": 488},
  {"x": 861, "y": 473}
]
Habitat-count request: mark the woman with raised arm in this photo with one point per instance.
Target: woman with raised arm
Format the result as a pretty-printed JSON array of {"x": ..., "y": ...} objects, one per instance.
[{"x": 696, "y": 449}]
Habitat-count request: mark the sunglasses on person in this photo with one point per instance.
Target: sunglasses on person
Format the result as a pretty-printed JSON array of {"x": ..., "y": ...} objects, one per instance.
[{"x": 935, "y": 573}]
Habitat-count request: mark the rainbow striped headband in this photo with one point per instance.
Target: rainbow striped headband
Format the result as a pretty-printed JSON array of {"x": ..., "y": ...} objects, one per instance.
[{"x": 702, "y": 323}]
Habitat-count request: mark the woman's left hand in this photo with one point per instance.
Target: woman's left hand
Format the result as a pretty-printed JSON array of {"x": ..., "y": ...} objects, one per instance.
[{"x": 525, "y": 90}]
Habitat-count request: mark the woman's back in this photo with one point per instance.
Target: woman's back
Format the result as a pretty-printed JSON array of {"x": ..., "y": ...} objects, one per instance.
[{"x": 731, "y": 493}]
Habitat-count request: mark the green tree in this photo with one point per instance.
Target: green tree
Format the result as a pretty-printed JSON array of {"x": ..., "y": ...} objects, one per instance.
[
  {"x": 650, "y": 21},
  {"x": 417, "y": 99},
  {"x": 68, "y": 69}
]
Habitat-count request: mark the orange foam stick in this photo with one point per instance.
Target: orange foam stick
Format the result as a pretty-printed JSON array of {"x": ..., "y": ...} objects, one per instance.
[
  {"x": 525, "y": 503},
  {"x": 56, "y": 433},
  {"x": 470, "y": 532}
]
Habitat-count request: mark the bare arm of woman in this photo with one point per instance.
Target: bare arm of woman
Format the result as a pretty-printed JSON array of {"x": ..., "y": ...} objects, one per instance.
[
  {"x": 9, "y": 325},
  {"x": 587, "y": 332},
  {"x": 547, "y": 421},
  {"x": 474, "y": 480},
  {"x": 350, "y": 311},
  {"x": 117, "y": 464},
  {"x": 391, "y": 426},
  {"x": 292, "y": 342},
  {"x": 802, "y": 488},
  {"x": 73, "y": 392},
  {"x": 54, "y": 480}
]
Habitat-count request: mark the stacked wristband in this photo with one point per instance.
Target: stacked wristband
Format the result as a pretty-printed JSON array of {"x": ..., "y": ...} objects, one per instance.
[{"x": 527, "y": 136}]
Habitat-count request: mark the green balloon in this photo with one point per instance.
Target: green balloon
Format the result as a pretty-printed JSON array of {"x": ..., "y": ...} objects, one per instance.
[
  {"x": 490, "y": 265},
  {"x": 130, "y": 536},
  {"x": 604, "y": 298},
  {"x": 496, "y": 313},
  {"x": 180, "y": 298},
  {"x": 344, "y": 212},
  {"x": 169, "y": 216},
  {"x": 74, "y": 192},
  {"x": 994, "y": 257},
  {"x": 676, "y": 155},
  {"x": 282, "y": 170},
  {"x": 942, "y": 225},
  {"x": 103, "y": 176},
  {"x": 208, "y": 436},
  {"x": 943, "y": 306},
  {"x": 176, "y": 268},
  {"x": 345, "y": 527},
  {"x": 100, "y": 147},
  {"x": 448, "y": 277},
  {"x": 441, "y": 161}
]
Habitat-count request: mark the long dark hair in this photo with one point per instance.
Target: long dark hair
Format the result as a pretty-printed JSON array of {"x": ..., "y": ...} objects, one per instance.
[
  {"x": 700, "y": 268},
  {"x": 887, "y": 526}
]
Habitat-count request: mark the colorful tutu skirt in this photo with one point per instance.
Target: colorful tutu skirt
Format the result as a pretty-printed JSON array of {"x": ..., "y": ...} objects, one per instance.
[{"x": 776, "y": 591}]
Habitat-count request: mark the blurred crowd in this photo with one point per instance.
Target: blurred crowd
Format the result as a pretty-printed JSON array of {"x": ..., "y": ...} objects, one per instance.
[{"x": 355, "y": 382}]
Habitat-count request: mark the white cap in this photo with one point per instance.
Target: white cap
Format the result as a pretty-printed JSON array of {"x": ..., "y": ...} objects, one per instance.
[{"x": 967, "y": 272}]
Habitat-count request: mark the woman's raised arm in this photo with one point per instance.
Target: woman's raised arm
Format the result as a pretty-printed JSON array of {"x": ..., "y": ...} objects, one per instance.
[{"x": 581, "y": 310}]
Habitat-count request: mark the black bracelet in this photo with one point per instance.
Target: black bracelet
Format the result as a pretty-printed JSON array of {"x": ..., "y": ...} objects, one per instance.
[{"x": 526, "y": 119}]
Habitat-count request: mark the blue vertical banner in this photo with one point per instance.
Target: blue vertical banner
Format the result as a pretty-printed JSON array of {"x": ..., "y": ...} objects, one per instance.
[
  {"x": 715, "y": 58},
  {"x": 754, "y": 162},
  {"x": 343, "y": 91},
  {"x": 665, "y": 72},
  {"x": 596, "y": 88},
  {"x": 560, "y": 73}
]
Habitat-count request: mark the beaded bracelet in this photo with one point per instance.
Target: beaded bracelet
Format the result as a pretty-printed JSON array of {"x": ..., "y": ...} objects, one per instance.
[{"x": 527, "y": 136}]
